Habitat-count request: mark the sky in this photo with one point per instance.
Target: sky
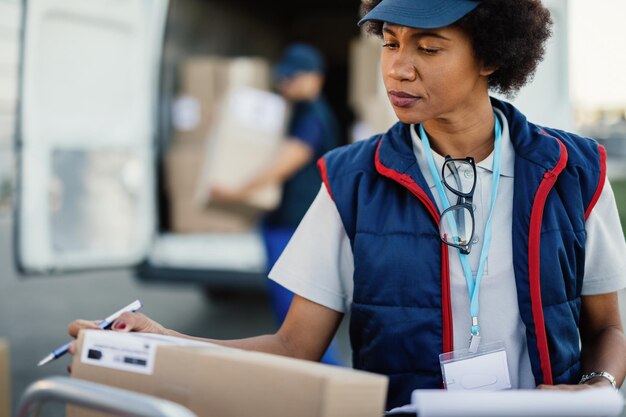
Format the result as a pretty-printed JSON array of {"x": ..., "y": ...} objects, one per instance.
[{"x": 597, "y": 39}]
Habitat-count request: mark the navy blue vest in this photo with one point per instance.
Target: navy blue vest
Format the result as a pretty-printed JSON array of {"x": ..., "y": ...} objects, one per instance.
[{"x": 401, "y": 316}]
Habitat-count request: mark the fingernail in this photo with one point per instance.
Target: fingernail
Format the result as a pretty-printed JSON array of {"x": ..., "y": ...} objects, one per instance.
[{"x": 120, "y": 326}]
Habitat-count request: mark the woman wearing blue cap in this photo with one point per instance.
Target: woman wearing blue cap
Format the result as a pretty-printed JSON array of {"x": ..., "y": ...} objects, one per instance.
[{"x": 464, "y": 238}]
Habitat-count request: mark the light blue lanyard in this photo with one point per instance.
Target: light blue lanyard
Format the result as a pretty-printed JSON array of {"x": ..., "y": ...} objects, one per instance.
[{"x": 473, "y": 284}]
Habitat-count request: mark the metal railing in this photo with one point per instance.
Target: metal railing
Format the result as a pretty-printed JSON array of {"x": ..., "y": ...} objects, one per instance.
[{"x": 96, "y": 397}]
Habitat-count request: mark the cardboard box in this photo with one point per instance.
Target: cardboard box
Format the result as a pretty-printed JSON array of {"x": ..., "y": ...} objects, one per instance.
[
  {"x": 365, "y": 77},
  {"x": 227, "y": 129},
  {"x": 5, "y": 380},
  {"x": 377, "y": 114},
  {"x": 221, "y": 382},
  {"x": 204, "y": 81},
  {"x": 367, "y": 92},
  {"x": 250, "y": 127},
  {"x": 183, "y": 167}
]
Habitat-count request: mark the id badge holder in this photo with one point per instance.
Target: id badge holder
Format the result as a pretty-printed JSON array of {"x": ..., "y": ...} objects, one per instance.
[{"x": 486, "y": 369}]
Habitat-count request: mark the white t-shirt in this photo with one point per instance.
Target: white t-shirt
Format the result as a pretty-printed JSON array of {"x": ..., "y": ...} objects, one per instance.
[{"x": 318, "y": 263}]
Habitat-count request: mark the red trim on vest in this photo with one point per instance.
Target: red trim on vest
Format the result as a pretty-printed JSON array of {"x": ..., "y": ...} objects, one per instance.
[
  {"x": 408, "y": 183},
  {"x": 321, "y": 165},
  {"x": 446, "y": 309},
  {"x": 601, "y": 181},
  {"x": 534, "y": 241},
  {"x": 448, "y": 340}
]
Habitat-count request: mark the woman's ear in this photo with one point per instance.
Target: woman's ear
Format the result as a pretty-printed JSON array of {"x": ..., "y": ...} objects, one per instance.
[{"x": 487, "y": 71}]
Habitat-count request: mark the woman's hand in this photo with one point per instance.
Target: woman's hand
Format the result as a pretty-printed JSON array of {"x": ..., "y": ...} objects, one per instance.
[
  {"x": 228, "y": 195},
  {"x": 74, "y": 328},
  {"x": 137, "y": 322},
  {"x": 127, "y": 322},
  {"x": 77, "y": 325},
  {"x": 600, "y": 383}
]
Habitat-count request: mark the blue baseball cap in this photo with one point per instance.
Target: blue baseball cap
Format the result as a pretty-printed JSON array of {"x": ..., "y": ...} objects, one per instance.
[
  {"x": 420, "y": 14},
  {"x": 299, "y": 57}
]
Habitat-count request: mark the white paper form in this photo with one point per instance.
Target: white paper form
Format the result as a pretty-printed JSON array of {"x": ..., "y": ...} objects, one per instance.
[{"x": 596, "y": 402}]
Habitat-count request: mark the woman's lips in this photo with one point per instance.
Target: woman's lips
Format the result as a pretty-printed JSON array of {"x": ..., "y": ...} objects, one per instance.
[{"x": 402, "y": 99}]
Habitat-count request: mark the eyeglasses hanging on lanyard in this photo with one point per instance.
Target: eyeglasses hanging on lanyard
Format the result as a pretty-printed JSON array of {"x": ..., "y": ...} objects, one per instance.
[{"x": 456, "y": 228}]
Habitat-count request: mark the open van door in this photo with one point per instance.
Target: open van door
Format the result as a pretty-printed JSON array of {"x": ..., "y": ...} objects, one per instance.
[
  {"x": 86, "y": 133},
  {"x": 88, "y": 154}
]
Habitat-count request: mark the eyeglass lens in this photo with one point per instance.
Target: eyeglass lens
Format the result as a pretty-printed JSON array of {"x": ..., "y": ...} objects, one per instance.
[
  {"x": 457, "y": 222},
  {"x": 457, "y": 226},
  {"x": 462, "y": 176}
]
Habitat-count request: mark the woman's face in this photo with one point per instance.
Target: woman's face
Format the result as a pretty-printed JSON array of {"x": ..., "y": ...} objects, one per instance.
[{"x": 431, "y": 74}]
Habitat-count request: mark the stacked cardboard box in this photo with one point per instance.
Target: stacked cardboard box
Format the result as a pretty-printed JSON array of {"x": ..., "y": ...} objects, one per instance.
[
  {"x": 246, "y": 136},
  {"x": 204, "y": 81},
  {"x": 184, "y": 164},
  {"x": 214, "y": 381},
  {"x": 214, "y": 142},
  {"x": 5, "y": 380},
  {"x": 367, "y": 93}
]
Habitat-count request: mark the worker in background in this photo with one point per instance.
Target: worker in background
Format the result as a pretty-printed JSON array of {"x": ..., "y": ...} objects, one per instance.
[{"x": 312, "y": 131}]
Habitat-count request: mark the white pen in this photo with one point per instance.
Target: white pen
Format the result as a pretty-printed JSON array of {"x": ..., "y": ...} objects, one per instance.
[{"x": 62, "y": 350}]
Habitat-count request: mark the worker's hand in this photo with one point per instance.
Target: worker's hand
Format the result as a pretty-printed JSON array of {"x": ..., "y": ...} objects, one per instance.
[
  {"x": 221, "y": 194},
  {"x": 77, "y": 325},
  {"x": 127, "y": 322},
  {"x": 137, "y": 322},
  {"x": 74, "y": 328},
  {"x": 600, "y": 383}
]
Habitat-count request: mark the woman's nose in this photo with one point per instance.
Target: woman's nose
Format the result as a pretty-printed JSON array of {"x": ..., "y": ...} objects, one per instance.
[{"x": 402, "y": 69}]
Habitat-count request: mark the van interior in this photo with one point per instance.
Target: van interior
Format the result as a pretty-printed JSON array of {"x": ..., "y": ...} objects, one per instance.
[{"x": 239, "y": 28}]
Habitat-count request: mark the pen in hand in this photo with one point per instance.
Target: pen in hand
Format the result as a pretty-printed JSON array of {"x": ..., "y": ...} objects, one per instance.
[{"x": 62, "y": 350}]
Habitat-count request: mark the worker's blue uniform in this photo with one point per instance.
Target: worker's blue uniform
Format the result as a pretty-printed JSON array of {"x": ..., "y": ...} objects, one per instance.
[{"x": 401, "y": 310}]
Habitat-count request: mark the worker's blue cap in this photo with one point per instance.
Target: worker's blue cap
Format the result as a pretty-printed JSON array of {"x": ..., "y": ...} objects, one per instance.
[
  {"x": 299, "y": 57},
  {"x": 420, "y": 14}
]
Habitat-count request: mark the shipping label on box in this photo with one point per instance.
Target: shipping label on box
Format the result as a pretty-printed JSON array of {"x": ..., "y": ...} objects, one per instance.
[{"x": 112, "y": 350}]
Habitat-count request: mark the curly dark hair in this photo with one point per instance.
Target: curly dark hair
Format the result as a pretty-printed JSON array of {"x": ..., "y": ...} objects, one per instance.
[{"x": 509, "y": 35}]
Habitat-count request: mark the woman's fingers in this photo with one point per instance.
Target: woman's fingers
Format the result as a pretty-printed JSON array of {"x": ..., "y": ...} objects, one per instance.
[
  {"x": 137, "y": 322},
  {"x": 564, "y": 387},
  {"x": 77, "y": 325},
  {"x": 127, "y": 322}
]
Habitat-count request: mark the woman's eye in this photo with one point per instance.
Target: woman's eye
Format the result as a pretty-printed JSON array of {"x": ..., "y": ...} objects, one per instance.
[
  {"x": 429, "y": 51},
  {"x": 390, "y": 45}
]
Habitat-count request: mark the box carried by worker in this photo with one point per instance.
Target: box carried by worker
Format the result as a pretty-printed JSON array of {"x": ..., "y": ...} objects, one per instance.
[{"x": 249, "y": 129}]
